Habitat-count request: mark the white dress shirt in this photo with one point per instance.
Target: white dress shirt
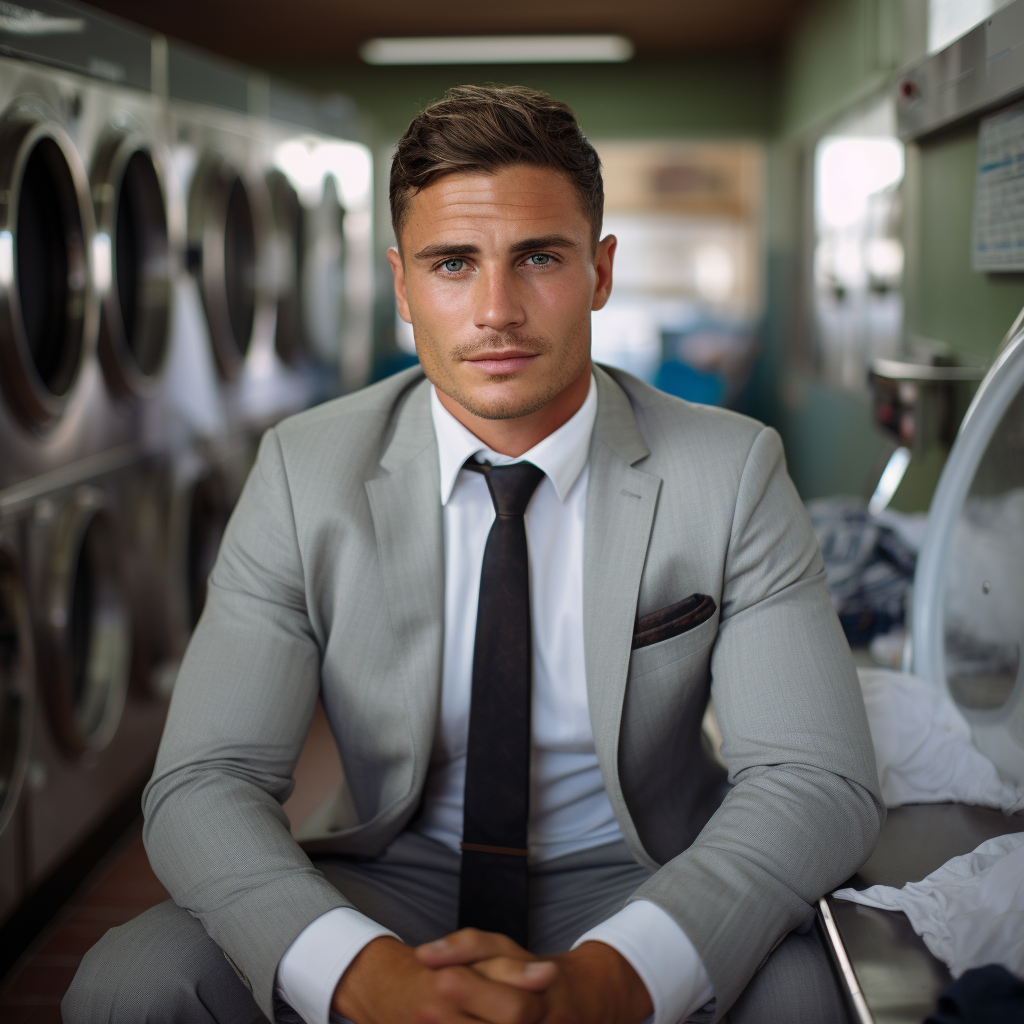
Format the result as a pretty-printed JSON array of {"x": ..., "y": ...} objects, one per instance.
[{"x": 569, "y": 807}]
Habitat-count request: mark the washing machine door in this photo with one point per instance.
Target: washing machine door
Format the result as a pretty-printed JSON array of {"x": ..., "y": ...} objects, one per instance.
[
  {"x": 85, "y": 636},
  {"x": 133, "y": 262},
  {"x": 289, "y": 253},
  {"x": 968, "y": 616},
  {"x": 17, "y": 681},
  {"x": 47, "y": 305},
  {"x": 227, "y": 221}
]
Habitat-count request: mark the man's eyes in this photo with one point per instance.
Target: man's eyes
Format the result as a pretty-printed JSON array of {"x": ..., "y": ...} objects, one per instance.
[{"x": 456, "y": 265}]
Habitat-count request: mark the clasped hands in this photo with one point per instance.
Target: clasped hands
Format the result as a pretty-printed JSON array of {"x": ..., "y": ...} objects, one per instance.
[{"x": 472, "y": 976}]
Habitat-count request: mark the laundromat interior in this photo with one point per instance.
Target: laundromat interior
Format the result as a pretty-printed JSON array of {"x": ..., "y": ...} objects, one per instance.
[{"x": 820, "y": 214}]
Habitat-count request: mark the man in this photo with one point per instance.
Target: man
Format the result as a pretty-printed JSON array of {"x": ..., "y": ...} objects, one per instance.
[{"x": 513, "y": 578}]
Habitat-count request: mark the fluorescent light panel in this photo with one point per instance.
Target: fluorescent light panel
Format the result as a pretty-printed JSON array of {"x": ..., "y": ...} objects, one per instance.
[{"x": 498, "y": 50}]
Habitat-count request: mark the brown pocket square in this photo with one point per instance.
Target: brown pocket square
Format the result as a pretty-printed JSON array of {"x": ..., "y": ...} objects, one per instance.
[{"x": 671, "y": 621}]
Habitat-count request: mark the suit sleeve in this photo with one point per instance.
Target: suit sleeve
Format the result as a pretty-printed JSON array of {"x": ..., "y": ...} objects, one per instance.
[
  {"x": 215, "y": 831},
  {"x": 804, "y": 811}
]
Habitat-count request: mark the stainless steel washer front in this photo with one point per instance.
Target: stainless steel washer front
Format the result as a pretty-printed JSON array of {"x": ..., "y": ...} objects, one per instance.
[
  {"x": 134, "y": 247},
  {"x": 85, "y": 635},
  {"x": 47, "y": 307},
  {"x": 17, "y": 683},
  {"x": 227, "y": 229}
]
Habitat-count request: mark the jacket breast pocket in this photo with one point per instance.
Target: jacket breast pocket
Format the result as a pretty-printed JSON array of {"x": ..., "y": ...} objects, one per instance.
[{"x": 653, "y": 657}]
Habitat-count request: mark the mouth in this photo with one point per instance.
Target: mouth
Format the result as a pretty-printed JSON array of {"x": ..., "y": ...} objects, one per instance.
[{"x": 502, "y": 361}]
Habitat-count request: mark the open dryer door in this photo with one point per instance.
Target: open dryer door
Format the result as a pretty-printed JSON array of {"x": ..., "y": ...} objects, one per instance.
[
  {"x": 968, "y": 616},
  {"x": 968, "y": 631}
]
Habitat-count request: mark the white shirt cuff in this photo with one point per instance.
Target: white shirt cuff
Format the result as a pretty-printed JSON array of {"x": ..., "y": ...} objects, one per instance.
[
  {"x": 313, "y": 964},
  {"x": 662, "y": 954}
]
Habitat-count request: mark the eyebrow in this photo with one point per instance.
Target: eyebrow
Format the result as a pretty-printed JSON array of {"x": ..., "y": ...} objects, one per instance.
[{"x": 433, "y": 252}]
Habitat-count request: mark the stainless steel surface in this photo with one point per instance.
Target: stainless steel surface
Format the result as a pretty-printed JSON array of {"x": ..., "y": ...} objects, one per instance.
[
  {"x": 83, "y": 625},
  {"x": 895, "y": 370},
  {"x": 980, "y": 70},
  {"x": 228, "y": 226},
  {"x": 838, "y": 952},
  {"x": 137, "y": 375},
  {"x": 47, "y": 309},
  {"x": 129, "y": 191},
  {"x": 17, "y": 682},
  {"x": 898, "y": 976}
]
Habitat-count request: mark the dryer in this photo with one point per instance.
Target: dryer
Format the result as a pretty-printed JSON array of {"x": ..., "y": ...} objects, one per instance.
[
  {"x": 967, "y": 639},
  {"x": 17, "y": 704},
  {"x": 163, "y": 219}
]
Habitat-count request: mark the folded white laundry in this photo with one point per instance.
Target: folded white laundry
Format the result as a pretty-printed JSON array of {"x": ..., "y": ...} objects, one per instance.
[
  {"x": 969, "y": 911},
  {"x": 923, "y": 747}
]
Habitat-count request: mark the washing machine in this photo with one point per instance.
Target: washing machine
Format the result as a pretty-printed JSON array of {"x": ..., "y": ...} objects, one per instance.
[
  {"x": 96, "y": 727},
  {"x": 85, "y": 266},
  {"x": 184, "y": 258},
  {"x": 280, "y": 279},
  {"x": 967, "y": 639},
  {"x": 17, "y": 705}
]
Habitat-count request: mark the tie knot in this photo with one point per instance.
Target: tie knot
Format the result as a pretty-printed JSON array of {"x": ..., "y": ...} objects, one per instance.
[{"x": 511, "y": 487}]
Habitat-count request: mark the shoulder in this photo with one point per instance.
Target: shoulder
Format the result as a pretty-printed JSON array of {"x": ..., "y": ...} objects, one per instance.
[{"x": 353, "y": 430}]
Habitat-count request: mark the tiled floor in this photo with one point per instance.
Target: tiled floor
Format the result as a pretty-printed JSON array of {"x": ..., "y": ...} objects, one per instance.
[{"x": 124, "y": 885}]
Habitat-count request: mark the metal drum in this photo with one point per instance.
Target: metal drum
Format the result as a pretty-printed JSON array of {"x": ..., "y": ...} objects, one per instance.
[
  {"x": 134, "y": 264},
  {"x": 17, "y": 682},
  {"x": 85, "y": 635},
  {"x": 227, "y": 221},
  {"x": 47, "y": 308}
]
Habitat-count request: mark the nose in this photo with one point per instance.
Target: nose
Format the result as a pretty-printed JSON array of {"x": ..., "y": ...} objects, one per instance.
[{"x": 497, "y": 304}]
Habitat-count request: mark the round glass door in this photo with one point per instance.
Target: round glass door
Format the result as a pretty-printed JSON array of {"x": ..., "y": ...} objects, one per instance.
[
  {"x": 17, "y": 677},
  {"x": 46, "y": 304},
  {"x": 968, "y": 625}
]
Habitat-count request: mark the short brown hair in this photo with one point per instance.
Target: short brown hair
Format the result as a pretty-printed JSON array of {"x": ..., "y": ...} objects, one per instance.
[{"x": 486, "y": 128}]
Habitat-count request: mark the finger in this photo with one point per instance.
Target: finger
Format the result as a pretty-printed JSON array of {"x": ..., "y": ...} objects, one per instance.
[
  {"x": 531, "y": 975},
  {"x": 468, "y": 992},
  {"x": 466, "y": 946}
]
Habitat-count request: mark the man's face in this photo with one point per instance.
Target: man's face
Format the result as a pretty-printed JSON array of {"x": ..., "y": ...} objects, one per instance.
[{"x": 498, "y": 276}]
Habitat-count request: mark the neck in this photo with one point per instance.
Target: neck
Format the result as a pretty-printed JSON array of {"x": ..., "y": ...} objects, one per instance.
[{"x": 513, "y": 437}]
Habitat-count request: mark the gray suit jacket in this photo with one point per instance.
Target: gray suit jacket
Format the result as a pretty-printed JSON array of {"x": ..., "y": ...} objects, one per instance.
[{"x": 330, "y": 582}]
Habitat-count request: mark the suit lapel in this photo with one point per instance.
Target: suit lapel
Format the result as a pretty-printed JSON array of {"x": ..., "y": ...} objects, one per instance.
[
  {"x": 406, "y": 508},
  {"x": 621, "y": 501}
]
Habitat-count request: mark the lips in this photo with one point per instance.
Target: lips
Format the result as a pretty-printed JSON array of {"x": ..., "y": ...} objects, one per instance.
[{"x": 502, "y": 362}]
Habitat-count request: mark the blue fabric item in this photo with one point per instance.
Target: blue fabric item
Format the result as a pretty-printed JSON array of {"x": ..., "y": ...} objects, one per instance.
[
  {"x": 870, "y": 568},
  {"x": 985, "y": 995},
  {"x": 684, "y": 381}
]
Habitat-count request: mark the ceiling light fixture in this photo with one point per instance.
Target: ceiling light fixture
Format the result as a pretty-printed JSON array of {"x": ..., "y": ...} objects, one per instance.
[{"x": 498, "y": 50}]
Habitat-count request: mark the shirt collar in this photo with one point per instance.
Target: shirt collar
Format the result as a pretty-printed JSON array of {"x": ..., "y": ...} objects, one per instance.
[{"x": 561, "y": 455}]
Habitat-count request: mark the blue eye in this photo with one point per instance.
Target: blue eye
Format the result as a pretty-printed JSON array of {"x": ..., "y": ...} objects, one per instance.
[
  {"x": 453, "y": 266},
  {"x": 540, "y": 259}
]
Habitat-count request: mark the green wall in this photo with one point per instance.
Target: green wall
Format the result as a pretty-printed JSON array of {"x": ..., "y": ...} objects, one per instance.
[
  {"x": 843, "y": 54},
  {"x": 695, "y": 96}
]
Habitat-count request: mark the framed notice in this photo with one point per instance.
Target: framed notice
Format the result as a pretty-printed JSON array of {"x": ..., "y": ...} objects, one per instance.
[{"x": 999, "y": 192}]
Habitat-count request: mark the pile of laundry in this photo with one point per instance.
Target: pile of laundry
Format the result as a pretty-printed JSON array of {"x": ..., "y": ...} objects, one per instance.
[
  {"x": 870, "y": 562},
  {"x": 969, "y": 912}
]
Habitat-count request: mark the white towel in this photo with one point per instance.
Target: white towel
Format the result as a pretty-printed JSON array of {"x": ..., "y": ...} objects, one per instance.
[
  {"x": 970, "y": 912},
  {"x": 923, "y": 748}
]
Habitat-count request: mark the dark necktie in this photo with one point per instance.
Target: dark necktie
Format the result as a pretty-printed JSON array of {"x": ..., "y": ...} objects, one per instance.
[{"x": 493, "y": 890}]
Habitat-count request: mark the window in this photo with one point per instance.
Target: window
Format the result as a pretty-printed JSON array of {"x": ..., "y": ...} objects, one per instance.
[{"x": 858, "y": 254}]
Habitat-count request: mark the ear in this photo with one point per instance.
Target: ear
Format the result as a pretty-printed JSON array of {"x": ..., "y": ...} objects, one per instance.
[
  {"x": 398, "y": 269},
  {"x": 603, "y": 259}
]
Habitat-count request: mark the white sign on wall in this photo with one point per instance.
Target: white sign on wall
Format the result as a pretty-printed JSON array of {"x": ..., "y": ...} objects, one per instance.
[{"x": 999, "y": 192}]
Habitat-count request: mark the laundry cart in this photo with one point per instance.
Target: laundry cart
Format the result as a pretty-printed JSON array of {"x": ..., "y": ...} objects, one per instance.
[{"x": 967, "y": 640}]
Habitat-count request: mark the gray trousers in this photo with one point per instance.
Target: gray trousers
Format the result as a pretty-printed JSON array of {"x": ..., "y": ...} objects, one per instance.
[{"x": 162, "y": 967}]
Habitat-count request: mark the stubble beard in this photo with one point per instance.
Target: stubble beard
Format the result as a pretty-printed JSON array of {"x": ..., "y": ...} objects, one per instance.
[{"x": 442, "y": 375}]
